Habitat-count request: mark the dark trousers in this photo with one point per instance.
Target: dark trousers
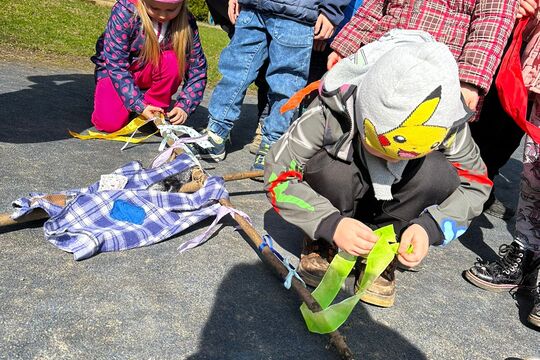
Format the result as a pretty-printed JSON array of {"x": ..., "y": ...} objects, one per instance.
[
  {"x": 495, "y": 133},
  {"x": 425, "y": 182}
]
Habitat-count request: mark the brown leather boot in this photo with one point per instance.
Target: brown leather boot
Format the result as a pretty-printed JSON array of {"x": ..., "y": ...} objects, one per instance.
[
  {"x": 315, "y": 259},
  {"x": 383, "y": 290}
]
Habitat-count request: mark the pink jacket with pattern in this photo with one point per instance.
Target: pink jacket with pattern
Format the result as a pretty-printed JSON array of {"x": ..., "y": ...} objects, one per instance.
[{"x": 476, "y": 31}]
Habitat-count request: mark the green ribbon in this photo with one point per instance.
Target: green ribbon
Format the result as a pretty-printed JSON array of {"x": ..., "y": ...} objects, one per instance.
[{"x": 331, "y": 317}]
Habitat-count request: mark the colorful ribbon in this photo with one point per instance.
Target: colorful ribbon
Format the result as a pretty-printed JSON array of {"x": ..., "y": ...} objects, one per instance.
[
  {"x": 333, "y": 316},
  {"x": 222, "y": 211},
  {"x": 268, "y": 241},
  {"x": 178, "y": 143},
  {"x": 119, "y": 135}
]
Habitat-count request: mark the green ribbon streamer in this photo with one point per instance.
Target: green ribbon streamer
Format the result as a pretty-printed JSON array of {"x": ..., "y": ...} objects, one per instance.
[{"x": 333, "y": 316}]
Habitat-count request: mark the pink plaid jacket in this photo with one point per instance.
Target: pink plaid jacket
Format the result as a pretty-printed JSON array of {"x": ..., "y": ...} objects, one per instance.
[{"x": 476, "y": 31}]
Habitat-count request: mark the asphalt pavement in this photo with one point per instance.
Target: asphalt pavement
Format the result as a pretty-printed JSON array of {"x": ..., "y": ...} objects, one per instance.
[{"x": 217, "y": 301}]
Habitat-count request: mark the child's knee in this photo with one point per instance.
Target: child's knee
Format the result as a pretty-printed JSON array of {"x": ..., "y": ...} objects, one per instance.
[
  {"x": 445, "y": 183},
  {"x": 109, "y": 122}
]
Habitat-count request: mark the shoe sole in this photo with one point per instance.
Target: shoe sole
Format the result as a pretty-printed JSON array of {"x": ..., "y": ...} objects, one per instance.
[
  {"x": 534, "y": 320},
  {"x": 378, "y": 299},
  {"x": 215, "y": 158},
  {"x": 487, "y": 285}
]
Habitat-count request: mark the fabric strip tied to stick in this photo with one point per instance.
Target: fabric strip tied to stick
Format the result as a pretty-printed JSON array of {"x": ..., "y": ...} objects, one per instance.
[
  {"x": 221, "y": 212},
  {"x": 267, "y": 240}
]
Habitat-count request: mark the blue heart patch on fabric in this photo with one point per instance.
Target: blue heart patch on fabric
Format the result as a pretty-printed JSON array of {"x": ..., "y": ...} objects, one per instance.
[{"x": 126, "y": 211}]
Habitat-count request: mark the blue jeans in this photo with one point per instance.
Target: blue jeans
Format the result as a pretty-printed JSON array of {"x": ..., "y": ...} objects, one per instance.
[{"x": 259, "y": 36}]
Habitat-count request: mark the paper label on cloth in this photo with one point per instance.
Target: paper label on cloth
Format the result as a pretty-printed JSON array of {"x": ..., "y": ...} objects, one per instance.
[{"x": 112, "y": 182}]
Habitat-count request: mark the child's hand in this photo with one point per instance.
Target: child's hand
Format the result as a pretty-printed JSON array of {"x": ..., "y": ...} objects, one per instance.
[
  {"x": 470, "y": 94},
  {"x": 234, "y": 10},
  {"x": 333, "y": 59},
  {"x": 323, "y": 28},
  {"x": 416, "y": 236},
  {"x": 177, "y": 116},
  {"x": 150, "y": 110},
  {"x": 354, "y": 237},
  {"x": 527, "y": 8}
]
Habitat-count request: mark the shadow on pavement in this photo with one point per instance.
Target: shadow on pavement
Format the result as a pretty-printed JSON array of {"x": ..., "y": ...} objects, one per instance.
[
  {"x": 243, "y": 130},
  {"x": 288, "y": 236},
  {"x": 473, "y": 239},
  {"x": 254, "y": 317},
  {"x": 507, "y": 190},
  {"x": 55, "y": 103},
  {"x": 45, "y": 111}
]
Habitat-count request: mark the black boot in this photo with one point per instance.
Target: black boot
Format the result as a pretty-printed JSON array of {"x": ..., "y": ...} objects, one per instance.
[
  {"x": 534, "y": 316},
  {"x": 515, "y": 267}
]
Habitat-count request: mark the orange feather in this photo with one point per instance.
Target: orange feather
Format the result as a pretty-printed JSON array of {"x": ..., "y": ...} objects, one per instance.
[{"x": 297, "y": 98}]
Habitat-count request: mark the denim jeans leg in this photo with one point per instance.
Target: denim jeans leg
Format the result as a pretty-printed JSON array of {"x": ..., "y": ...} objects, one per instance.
[
  {"x": 289, "y": 53},
  {"x": 239, "y": 64}
]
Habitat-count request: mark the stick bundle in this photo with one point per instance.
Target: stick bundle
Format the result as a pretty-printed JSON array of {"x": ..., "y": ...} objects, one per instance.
[{"x": 198, "y": 178}]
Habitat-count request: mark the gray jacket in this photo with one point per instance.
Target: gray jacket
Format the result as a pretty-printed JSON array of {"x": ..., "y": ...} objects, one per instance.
[{"x": 327, "y": 124}]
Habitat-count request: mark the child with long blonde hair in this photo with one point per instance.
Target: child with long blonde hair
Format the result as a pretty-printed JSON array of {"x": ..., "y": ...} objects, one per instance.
[{"x": 147, "y": 50}]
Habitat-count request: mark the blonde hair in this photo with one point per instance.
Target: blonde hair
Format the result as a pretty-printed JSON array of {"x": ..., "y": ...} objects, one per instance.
[{"x": 181, "y": 36}]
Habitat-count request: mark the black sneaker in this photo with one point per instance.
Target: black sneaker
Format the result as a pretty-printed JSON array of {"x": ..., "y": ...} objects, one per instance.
[
  {"x": 514, "y": 268},
  {"x": 534, "y": 316}
]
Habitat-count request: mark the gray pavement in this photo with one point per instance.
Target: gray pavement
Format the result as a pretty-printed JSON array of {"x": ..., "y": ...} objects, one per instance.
[{"x": 217, "y": 301}]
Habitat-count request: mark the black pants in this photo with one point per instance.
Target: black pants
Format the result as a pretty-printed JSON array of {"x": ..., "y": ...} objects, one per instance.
[
  {"x": 496, "y": 133},
  {"x": 425, "y": 182}
]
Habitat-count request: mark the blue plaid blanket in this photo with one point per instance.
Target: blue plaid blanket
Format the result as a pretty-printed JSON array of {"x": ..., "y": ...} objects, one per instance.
[{"x": 111, "y": 220}]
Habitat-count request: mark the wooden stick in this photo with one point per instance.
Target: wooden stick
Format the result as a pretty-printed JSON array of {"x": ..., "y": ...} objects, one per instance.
[
  {"x": 190, "y": 187},
  {"x": 37, "y": 214},
  {"x": 336, "y": 339},
  {"x": 199, "y": 177}
]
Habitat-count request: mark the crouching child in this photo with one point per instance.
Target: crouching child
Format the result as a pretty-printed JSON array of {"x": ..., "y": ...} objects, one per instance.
[{"x": 386, "y": 141}]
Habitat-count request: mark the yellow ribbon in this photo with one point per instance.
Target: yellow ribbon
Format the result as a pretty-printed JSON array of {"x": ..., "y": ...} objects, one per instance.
[{"x": 130, "y": 128}]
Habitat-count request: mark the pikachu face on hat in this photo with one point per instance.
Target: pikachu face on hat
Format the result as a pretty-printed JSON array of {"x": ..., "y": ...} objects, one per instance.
[{"x": 412, "y": 138}]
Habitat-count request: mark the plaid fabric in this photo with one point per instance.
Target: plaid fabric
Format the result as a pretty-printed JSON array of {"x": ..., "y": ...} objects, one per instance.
[
  {"x": 85, "y": 226},
  {"x": 476, "y": 31}
]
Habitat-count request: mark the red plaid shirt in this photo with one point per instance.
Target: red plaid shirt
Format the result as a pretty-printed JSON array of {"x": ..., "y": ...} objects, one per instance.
[{"x": 476, "y": 31}]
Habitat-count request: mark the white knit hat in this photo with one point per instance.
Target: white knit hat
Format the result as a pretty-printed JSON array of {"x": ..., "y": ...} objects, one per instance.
[{"x": 408, "y": 100}]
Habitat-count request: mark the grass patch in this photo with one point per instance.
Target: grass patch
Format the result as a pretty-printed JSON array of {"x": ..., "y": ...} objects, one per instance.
[{"x": 64, "y": 32}]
